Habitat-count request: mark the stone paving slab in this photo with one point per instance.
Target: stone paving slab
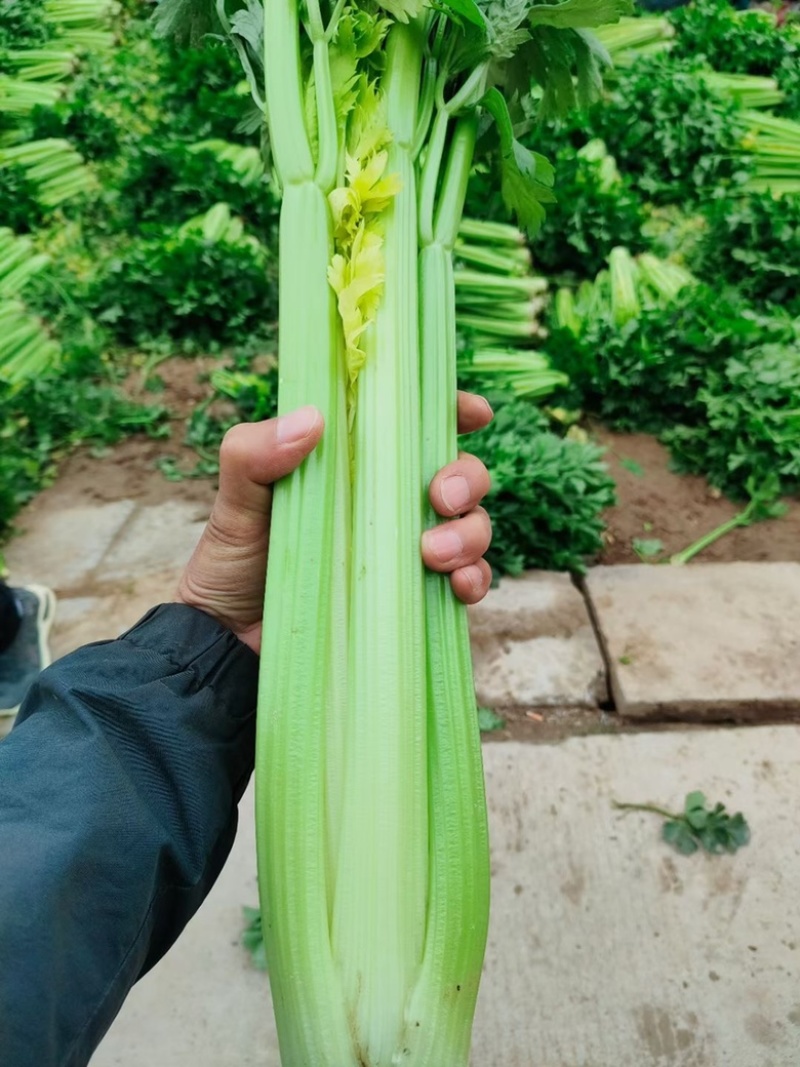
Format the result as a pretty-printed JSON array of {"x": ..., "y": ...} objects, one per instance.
[
  {"x": 158, "y": 536},
  {"x": 534, "y": 645},
  {"x": 64, "y": 547},
  {"x": 82, "y": 620},
  {"x": 606, "y": 948},
  {"x": 710, "y": 641}
]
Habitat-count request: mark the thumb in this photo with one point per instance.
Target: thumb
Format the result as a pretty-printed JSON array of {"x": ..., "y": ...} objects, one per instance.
[{"x": 253, "y": 455}]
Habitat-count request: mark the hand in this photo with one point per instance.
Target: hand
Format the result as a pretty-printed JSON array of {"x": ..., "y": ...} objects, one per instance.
[{"x": 225, "y": 576}]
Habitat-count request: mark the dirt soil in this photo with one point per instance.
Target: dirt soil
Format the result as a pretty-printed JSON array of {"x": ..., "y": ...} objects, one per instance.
[
  {"x": 129, "y": 471},
  {"x": 677, "y": 509},
  {"x": 654, "y": 504}
]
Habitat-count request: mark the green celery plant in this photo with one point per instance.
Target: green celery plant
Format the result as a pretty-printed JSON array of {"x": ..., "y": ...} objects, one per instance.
[{"x": 372, "y": 837}]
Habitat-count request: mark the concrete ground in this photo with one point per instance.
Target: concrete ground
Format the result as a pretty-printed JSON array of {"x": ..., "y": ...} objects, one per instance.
[{"x": 606, "y": 948}]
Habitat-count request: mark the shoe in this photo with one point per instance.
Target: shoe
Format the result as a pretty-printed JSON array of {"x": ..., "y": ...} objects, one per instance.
[{"x": 28, "y": 656}]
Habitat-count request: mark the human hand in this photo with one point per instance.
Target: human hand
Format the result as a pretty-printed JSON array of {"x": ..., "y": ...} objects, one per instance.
[{"x": 225, "y": 576}]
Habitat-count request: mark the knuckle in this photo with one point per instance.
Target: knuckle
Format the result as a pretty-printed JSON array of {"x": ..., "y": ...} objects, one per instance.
[{"x": 233, "y": 446}]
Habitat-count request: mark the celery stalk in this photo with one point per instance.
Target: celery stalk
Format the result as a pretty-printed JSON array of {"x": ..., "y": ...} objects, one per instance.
[
  {"x": 379, "y": 909},
  {"x": 371, "y": 822},
  {"x": 459, "y": 891}
]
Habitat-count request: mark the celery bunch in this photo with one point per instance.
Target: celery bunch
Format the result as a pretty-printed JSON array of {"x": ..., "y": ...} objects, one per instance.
[
  {"x": 35, "y": 77},
  {"x": 26, "y": 348},
  {"x": 497, "y": 309},
  {"x": 371, "y": 823},
  {"x": 773, "y": 145},
  {"x": 630, "y": 284}
]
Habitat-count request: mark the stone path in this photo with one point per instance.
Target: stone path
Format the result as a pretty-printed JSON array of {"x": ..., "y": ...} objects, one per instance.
[
  {"x": 606, "y": 949},
  {"x": 107, "y": 564},
  {"x": 717, "y": 641},
  {"x": 711, "y": 641}
]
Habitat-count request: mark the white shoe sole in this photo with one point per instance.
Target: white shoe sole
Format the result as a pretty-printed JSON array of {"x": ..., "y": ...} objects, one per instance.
[{"x": 44, "y": 623}]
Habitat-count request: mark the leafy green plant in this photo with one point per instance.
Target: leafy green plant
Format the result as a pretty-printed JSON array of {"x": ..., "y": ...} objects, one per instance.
[
  {"x": 671, "y": 134},
  {"x": 22, "y": 24},
  {"x": 596, "y": 208},
  {"x": 754, "y": 244},
  {"x": 43, "y": 420},
  {"x": 647, "y": 548},
  {"x": 748, "y": 427},
  {"x": 183, "y": 286},
  {"x": 489, "y": 721},
  {"x": 742, "y": 42},
  {"x": 164, "y": 183},
  {"x": 547, "y": 495},
  {"x": 698, "y": 826},
  {"x": 647, "y": 374}
]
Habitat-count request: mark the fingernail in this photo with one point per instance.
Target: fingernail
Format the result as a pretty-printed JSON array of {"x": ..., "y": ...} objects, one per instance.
[
  {"x": 488, "y": 406},
  {"x": 445, "y": 544},
  {"x": 297, "y": 425},
  {"x": 455, "y": 492},
  {"x": 475, "y": 578}
]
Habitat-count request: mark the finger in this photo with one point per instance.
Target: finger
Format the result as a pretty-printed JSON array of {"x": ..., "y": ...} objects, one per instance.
[
  {"x": 474, "y": 412},
  {"x": 471, "y": 584},
  {"x": 458, "y": 543},
  {"x": 254, "y": 455},
  {"x": 460, "y": 486}
]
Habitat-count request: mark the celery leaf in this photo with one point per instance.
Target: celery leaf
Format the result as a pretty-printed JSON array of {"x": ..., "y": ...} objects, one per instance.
[
  {"x": 185, "y": 20},
  {"x": 579, "y": 14},
  {"x": 526, "y": 178},
  {"x": 466, "y": 9}
]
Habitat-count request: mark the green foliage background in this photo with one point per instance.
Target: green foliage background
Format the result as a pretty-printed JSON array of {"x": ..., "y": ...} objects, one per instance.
[{"x": 715, "y": 373}]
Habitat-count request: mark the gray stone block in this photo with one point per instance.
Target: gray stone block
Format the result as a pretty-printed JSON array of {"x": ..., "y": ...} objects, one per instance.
[
  {"x": 82, "y": 620},
  {"x": 708, "y": 641},
  {"x": 64, "y": 547},
  {"x": 158, "y": 537},
  {"x": 534, "y": 645}
]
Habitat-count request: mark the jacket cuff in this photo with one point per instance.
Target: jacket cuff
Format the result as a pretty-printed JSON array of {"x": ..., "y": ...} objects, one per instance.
[{"x": 190, "y": 640}]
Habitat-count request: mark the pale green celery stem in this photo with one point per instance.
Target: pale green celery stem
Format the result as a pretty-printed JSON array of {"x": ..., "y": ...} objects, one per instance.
[
  {"x": 380, "y": 905},
  {"x": 336, "y": 718},
  {"x": 305, "y": 631},
  {"x": 429, "y": 180},
  {"x": 470, "y": 92},
  {"x": 503, "y": 261},
  {"x": 471, "y": 283},
  {"x": 454, "y": 184},
  {"x": 327, "y": 164},
  {"x": 494, "y": 233},
  {"x": 506, "y": 328},
  {"x": 741, "y": 518},
  {"x": 291, "y": 149},
  {"x": 427, "y": 99},
  {"x": 443, "y": 1003},
  {"x": 302, "y": 640}
]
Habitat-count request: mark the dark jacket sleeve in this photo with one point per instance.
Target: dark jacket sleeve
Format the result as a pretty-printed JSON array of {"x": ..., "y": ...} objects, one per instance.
[{"x": 118, "y": 794}]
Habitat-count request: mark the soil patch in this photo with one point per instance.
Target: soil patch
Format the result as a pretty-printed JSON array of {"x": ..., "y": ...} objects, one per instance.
[
  {"x": 655, "y": 503},
  {"x": 129, "y": 470}
]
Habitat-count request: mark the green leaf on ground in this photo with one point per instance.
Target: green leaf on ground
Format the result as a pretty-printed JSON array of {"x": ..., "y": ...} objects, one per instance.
[
  {"x": 253, "y": 938},
  {"x": 632, "y": 466},
  {"x": 489, "y": 721},
  {"x": 699, "y": 826},
  {"x": 646, "y": 548}
]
